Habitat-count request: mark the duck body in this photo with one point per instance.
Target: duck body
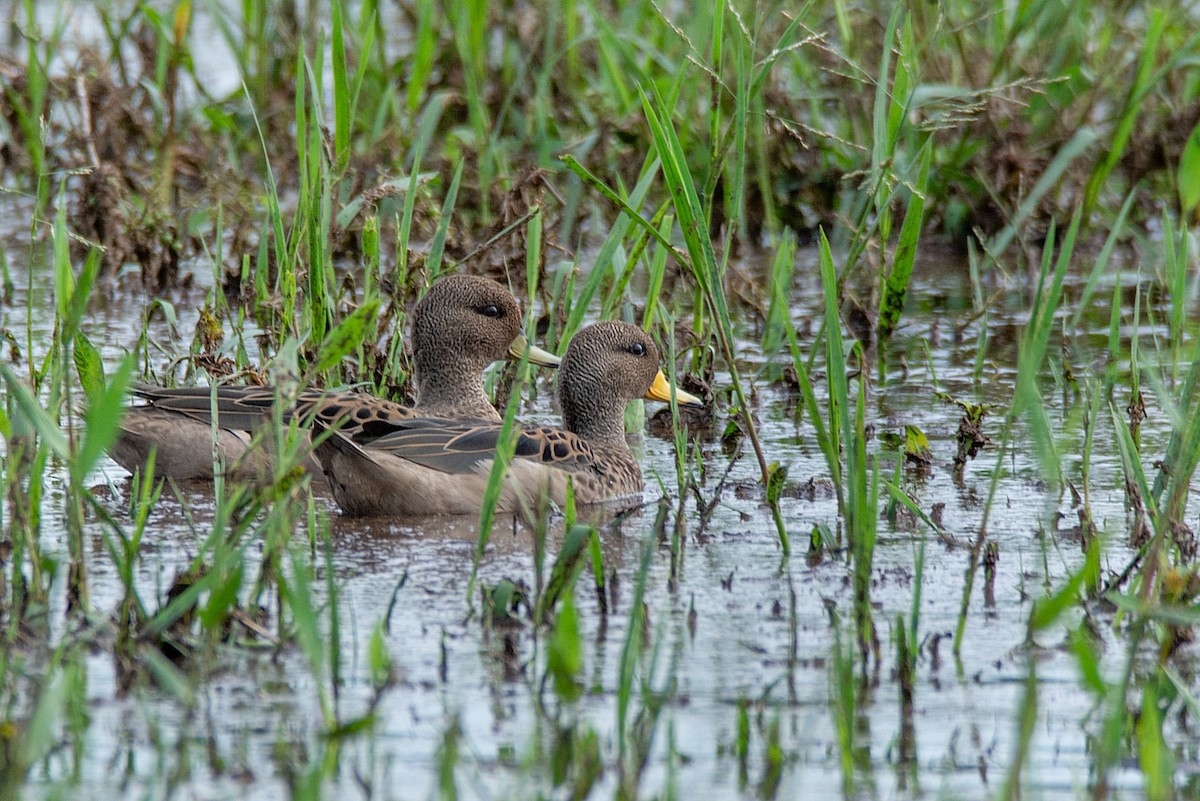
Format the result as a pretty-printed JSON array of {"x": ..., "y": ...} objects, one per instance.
[
  {"x": 427, "y": 466},
  {"x": 180, "y": 425},
  {"x": 463, "y": 324}
]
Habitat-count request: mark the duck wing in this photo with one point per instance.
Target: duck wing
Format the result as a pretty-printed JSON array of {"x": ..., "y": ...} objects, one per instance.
[
  {"x": 248, "y": 408},
  {"x": 238, "y": 408},
  {"x": 460, "y": 447}
]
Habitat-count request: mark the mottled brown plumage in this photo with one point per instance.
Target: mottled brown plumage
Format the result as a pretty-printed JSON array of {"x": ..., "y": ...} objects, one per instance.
[
  {"x": 428, "y": 466},
  {"x": 463, "y": 324}
]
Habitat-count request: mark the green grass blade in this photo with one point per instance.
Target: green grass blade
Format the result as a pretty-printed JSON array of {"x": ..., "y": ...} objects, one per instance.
[
  {"x": 1083, "y": 139},
  {"x": 437, "y": 246},
  {"x": 1101, "y": 263},
  {"x": 702, "y": 258},
  {"x": 1189, "y": 174},
  {"x": 1143, "y": 81},
  {"x": 38, "y": 418},
  {"x": 346, "y": 335},
  {"x": 102, "y": 419}
]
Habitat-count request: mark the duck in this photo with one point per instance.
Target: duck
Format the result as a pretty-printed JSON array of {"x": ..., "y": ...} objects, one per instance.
[
  {"x": 461, "y": 325},
  {"x": 428, "y": 466}
]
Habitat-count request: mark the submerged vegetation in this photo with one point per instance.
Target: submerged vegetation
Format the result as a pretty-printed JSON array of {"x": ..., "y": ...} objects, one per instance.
[{"x": 759, "y": 185}]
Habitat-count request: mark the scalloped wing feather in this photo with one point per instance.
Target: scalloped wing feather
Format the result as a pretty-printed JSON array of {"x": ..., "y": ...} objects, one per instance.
[
  {"x": 247, "y": 408},
  {"x": 458, "y": 448}
]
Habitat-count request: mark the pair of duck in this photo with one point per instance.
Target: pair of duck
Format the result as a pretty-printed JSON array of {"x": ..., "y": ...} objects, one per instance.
[{"x": 383, "y": 458}]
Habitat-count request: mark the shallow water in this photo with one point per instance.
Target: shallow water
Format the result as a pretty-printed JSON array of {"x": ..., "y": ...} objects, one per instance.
[
  {"x": 257, "y": 725},
  {"x": 257, "y": 722}
]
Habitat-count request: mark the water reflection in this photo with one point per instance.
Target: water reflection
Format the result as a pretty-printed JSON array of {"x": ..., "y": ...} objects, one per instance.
[{"x": 733, "y": 632}]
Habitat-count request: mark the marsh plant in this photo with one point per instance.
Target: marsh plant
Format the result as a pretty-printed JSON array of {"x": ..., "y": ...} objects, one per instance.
[{"x": 931, "y": 265}]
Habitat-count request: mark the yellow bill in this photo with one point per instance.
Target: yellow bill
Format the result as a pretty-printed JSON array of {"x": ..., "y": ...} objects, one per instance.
[
  {"x": 661, "y": 390},
  {"x": 542, "y": 358}
]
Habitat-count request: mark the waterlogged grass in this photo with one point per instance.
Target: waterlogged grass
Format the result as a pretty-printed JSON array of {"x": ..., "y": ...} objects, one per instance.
[{"x": 288, "y": 181}]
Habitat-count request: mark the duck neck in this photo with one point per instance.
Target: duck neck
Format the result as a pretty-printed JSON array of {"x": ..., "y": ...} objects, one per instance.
[
  {"x": 447, "y": 383},
  {"x": 598, "y": 417}
]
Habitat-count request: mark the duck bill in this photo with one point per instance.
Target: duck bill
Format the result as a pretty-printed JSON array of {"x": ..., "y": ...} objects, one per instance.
[
  {"x": 661, "y": 390},
  {"x": 542, "y": 358}
]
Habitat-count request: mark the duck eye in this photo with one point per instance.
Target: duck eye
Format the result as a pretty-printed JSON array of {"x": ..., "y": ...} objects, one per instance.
[
  {"x": 637, "y": 349},
  {"x": 490, "y": 310}
]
